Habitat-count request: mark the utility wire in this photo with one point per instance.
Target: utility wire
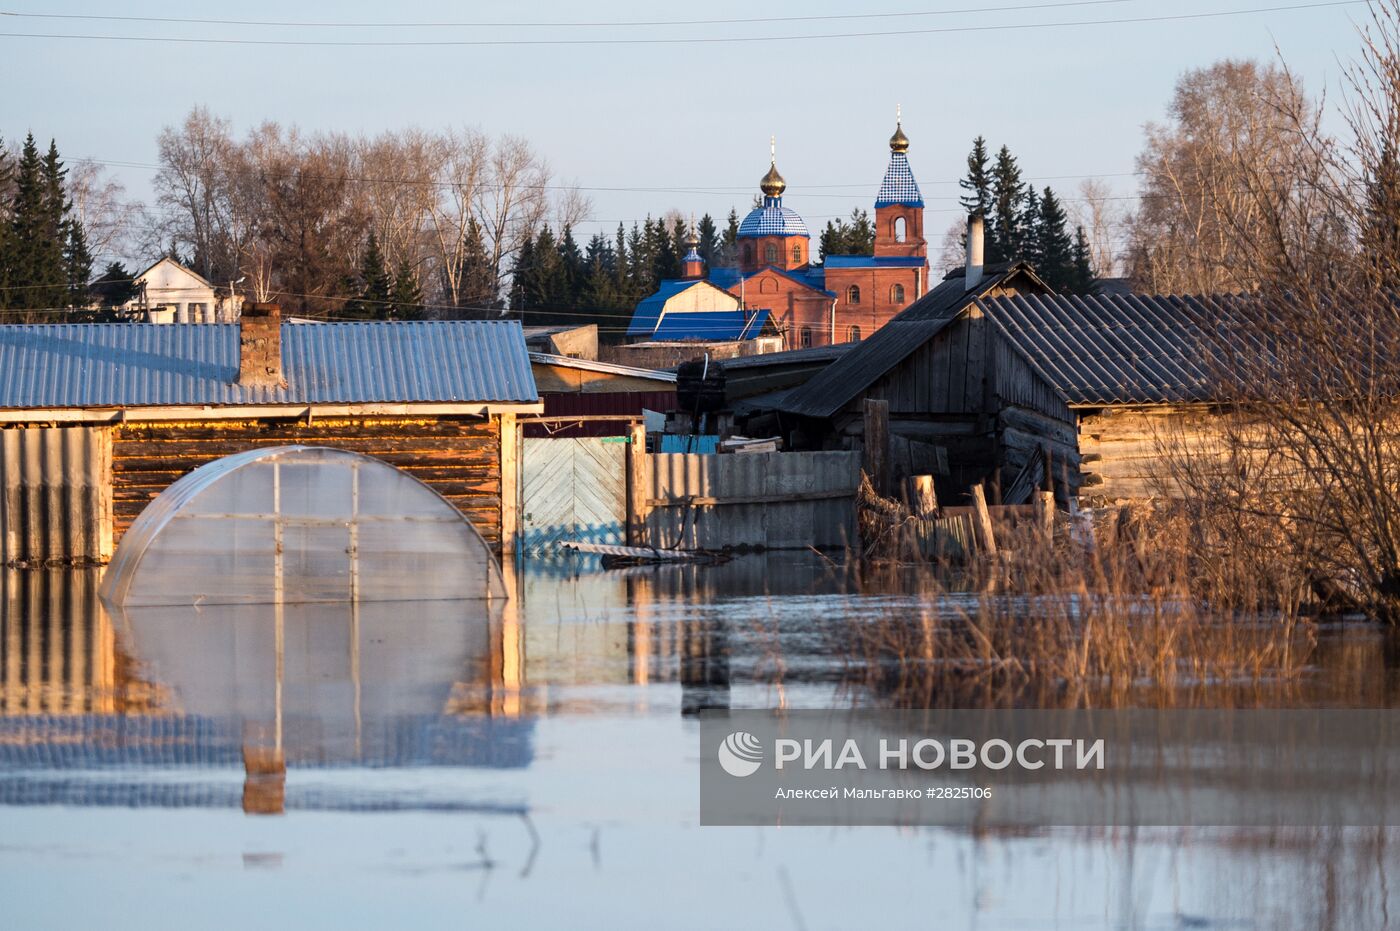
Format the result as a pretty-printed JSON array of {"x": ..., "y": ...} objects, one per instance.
[
  {"x": 688, "y": 40},
  {"x": 564, "y": 24}
]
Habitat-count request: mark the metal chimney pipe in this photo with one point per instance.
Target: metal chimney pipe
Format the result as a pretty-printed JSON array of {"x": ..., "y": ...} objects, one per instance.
[{"x": 973, "y": 273}]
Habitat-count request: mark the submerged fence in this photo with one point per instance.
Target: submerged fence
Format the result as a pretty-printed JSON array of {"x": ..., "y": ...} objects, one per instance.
[{"x": 764, "y": 500}]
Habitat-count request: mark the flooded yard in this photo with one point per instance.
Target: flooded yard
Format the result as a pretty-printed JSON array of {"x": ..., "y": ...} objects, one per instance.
[{"x": 535, "y": 763}]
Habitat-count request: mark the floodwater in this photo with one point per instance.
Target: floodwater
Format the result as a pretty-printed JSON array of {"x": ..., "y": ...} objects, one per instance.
[{"x": 535, "y": 764}]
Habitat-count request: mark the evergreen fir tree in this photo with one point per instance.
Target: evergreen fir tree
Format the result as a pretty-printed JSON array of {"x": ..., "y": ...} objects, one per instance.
[
  {"x": 548, "y": 286},
  {"x": 1054, "y": 246},
  {"x": 37, "y": 277},
  {"x": 709, "y": 239},
  {"x": 666, "y": 262},
  {"x": 978, "y": 183},
  {"x": 622, "y": 288},
  {"x": 476, "y": 279},
  {"x": 571, "y": 262},
  {"x": 639, "y": 281},
  {"x": 1005, "y": 236},
  {"x": 115, "y": 287},
  {"x": 599, "y": 274},
  {"x": 1083, "y": 278},
  {"x": 77, "y": 261},
  {"x": 373, "y": 302},
  {"x": 6, "y": 173},
  {"x": 406, "y": 298},
  {"x": 522, "y": 274},
  {"x": 1029, "y": 225},
  {"x": 731, "y": 229}
]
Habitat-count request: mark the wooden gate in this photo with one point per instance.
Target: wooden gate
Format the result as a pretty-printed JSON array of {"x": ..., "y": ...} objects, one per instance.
[{"x": 574, "y": 488}]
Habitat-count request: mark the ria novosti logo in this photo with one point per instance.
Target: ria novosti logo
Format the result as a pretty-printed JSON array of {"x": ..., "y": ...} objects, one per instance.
[{"x": 740, "y": 754}]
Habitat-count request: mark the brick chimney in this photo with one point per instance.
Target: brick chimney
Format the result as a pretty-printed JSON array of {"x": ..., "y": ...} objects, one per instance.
[{"x": 260, "y": 346}]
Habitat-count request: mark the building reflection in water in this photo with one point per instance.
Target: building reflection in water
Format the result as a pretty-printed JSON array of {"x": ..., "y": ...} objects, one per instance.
[{"x": 262, "y": 687}]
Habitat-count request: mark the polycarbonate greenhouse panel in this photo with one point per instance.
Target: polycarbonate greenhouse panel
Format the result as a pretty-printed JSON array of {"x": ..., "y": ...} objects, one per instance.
[{"x": 299, "y": 524}]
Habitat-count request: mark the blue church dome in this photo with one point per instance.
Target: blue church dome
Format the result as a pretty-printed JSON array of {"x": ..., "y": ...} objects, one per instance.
[{"x": 772, "y": 219}]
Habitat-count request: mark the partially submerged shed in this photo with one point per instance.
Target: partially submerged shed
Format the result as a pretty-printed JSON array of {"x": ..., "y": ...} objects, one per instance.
[
  {"x": 964, "y": 402},
  {"x": 437, "y": 399}
]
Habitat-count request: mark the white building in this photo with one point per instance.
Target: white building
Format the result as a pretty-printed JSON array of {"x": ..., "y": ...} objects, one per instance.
[{"x": 168, "y": 292}]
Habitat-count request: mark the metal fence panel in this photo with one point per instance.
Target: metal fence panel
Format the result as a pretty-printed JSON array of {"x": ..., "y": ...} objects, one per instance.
[{"x": 57, "y": 495}]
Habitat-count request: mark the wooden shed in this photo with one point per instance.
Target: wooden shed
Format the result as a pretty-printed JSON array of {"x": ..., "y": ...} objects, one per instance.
[
  {"x": 588, "y": 388},
  {"x": 964, "y": 401},
  {"x": 98, "y": 419}
]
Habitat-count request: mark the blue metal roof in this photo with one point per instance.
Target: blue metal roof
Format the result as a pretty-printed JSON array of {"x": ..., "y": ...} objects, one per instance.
[
  {"x": 176, "y": 364},
  {"x": 874, "y": 261},
  {"x": 725, "y": 277},
  {"x": 712, "y": 325},
  {"x": 648, "y": 312},
  {"x": 772, "y": 219},
  {"x": 899, "y": 186},
  {"x": 813, "y": 277}
]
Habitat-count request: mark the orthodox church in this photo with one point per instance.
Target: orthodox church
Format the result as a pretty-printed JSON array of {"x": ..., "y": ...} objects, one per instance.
[{"x": 844, "y": 299}]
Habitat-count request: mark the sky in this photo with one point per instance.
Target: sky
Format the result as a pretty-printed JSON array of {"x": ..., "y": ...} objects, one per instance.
[{"x": 644, "y": 127}]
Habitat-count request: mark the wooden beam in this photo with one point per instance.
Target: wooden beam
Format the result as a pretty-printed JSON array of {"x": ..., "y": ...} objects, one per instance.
[
  {"x": 982, "y": 522},
  {"x": 510, "y": 484},
  {"x": 638, "y": 490},
  {"x": 923, "y": 501},
  {"x": 705, "y": 501},
  {"x": 876, "y": 444}
]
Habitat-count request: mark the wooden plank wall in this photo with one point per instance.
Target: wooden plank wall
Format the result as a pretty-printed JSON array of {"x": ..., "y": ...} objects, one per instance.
[
  {"x": 768, "y": 500},
  {"x": 459, "y": 458},
  {"x": 945, "y": 375}
]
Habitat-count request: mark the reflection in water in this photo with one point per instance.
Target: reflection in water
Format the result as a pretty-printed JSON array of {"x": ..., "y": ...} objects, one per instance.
[{"x": 569, "y": 701}]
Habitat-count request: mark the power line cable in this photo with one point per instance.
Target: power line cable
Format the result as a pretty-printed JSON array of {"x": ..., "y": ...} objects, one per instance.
[
  {"x": 685, "y": 40},
  {"x": 562, "y": 24}
]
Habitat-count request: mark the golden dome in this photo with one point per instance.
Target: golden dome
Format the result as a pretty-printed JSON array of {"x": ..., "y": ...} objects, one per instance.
[
  {"x": 772, "y": 184},
  {"x": 899, "y": 142}
]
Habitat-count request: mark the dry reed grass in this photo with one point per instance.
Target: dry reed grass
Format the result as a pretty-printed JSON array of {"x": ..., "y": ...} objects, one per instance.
[{"x": 1151, "y": 609}]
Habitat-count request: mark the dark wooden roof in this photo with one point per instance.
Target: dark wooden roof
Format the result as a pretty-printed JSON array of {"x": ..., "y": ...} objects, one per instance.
[{"x": 835, "y": 386}]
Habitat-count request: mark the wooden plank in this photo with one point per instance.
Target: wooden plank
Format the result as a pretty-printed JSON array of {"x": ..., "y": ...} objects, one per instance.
[
  {"x": 510, "y": 484},
  {"x": 876, "y": 444},
  {"x": 637, "y": 485},
  {"x": 982, "y": 522}
]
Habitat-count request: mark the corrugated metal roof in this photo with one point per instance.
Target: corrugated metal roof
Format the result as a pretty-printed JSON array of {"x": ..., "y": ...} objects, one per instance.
[
  {"x": 711, "y": 325},
  {"x": 610, "y": 368},
  {"x": 162, "y": 365},
  {"x": 1125, "y": 348},
  {"x": 833, "y": 387},
  {"x": 875, "y": 261}
]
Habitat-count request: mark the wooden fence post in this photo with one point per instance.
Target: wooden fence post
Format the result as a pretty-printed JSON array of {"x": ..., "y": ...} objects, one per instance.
[
  {"x": 1045, "y": 510},
  {"x": 510, "y": 483},
  {"x": 877, "y": 444},
  {"x": 982, "y": 520},
  {"x": 637, "y": 481},
  {"x": 923, "y": 501}
]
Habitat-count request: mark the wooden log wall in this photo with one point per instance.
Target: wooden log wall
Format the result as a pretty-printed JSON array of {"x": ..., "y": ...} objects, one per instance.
[
  {"x": 1123, "y": 450},
  {"x": 459, "y": 458}
]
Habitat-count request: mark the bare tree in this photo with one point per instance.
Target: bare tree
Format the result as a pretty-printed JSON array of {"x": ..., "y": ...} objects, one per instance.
[
  {"x": 191, "y": 186},
  {"x": 463, "y": 171},
  {"x": 1232, "y": 157},
  {"x": 515, "y": 200},
  {"x": 99, "y": 204},
  {"x": 1103, "y": 219}
]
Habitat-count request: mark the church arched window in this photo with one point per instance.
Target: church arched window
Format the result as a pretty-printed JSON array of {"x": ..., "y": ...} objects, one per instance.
[
  {"x": 797, "y": 254},
  {"x": 767, "y": 286},
  {"x": 853, "y": 334},
  {"x": 748, "y": 254},
  {"x": 806, "y": 337},
  {"x": 897, "y": 294},
  {"x": 853, "y": 294},
  {"x": 770, "y": 254},
  {"x": 899, "y": 229}
]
